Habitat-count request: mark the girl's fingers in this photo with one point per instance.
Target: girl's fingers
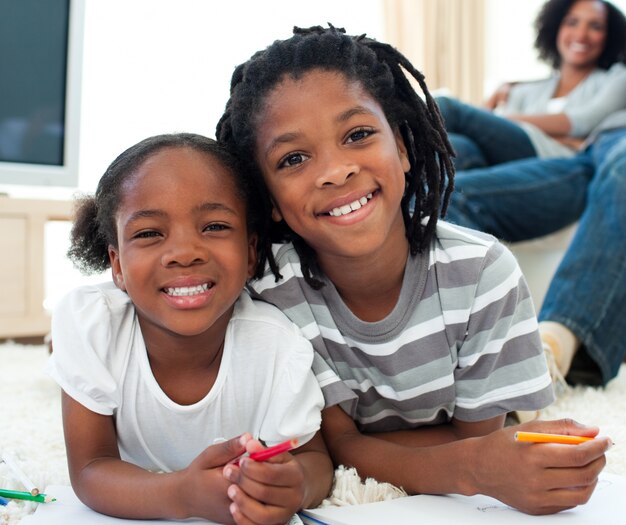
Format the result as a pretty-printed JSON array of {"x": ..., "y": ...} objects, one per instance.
[{"x": 247, "y": 510}]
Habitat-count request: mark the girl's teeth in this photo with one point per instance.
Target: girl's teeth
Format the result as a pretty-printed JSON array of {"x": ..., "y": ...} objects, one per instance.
[
  {"x": 187, "y": 290},
  {"x": 347, "y": 208}
]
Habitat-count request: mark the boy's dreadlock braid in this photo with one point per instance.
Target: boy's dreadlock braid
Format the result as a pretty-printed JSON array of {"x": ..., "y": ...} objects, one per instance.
[
  {"x": 423, "y": 121},
  {"x": 380, "y": 69}
]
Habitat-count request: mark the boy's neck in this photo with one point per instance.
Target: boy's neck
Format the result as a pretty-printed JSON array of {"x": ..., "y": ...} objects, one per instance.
[{"x": 370, "y": 286}]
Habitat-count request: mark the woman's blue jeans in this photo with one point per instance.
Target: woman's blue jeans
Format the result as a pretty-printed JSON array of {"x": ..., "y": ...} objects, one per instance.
[
  {"x": 480, "y": 138},
  {"x": 530, "y": 198}
]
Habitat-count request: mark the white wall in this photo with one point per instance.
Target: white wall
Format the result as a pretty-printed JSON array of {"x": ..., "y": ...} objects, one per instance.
[
  {"x": 154, "y": 66},
  {"x": 509, "y": 38}
]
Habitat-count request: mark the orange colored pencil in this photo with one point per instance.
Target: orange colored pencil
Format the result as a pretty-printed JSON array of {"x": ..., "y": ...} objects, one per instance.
[{"x": 539, "y": 437}]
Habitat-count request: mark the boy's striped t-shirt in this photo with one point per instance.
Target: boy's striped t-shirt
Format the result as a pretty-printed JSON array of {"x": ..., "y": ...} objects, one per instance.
[{"x": 461, "y": 342}]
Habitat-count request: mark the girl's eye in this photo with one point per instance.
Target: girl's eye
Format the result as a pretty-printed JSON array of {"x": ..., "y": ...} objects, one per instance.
[
  {"x": 293, "y": 159},
  {"x": 359, "y": 134},
  {"x": 146, "y": 234}
]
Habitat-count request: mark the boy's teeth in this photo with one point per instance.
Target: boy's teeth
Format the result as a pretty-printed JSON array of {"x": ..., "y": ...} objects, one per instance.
[
  {"x": 347, "y": 208},
  {"x": 187, "y": 290}
]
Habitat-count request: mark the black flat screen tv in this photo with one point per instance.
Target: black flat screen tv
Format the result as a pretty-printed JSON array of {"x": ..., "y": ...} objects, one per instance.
[{"x": 40, "y": 85}]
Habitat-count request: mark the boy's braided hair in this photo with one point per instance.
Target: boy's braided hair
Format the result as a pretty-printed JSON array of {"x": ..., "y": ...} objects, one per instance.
[{"x": 380, "y": 69}]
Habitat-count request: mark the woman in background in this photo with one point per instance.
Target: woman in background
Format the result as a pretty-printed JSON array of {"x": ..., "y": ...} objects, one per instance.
[{"x": 585, "y": 43}]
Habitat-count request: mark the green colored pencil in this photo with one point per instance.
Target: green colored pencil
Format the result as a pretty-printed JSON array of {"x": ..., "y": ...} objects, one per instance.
[{"x": 16, "y": 494}]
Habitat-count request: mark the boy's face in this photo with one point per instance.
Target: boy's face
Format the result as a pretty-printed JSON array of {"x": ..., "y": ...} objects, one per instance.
[
  {"x": 333, "y": 165},
  {"x": 183, "y": 253}
]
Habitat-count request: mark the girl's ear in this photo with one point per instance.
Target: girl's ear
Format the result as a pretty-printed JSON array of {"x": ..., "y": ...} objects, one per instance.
[
  {"x": 116, "y": 268},
  {"x": 403, "y": 153},
  {"x": 252, "y": 254}
]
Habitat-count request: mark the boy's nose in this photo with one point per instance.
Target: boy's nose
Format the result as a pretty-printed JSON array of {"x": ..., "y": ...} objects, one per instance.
[{"x": 336, "y": 171}]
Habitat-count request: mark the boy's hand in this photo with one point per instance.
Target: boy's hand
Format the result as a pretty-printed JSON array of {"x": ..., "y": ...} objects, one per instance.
[
  {"x": 541, "y": 478},
  {"x": 265, "y": 492}
]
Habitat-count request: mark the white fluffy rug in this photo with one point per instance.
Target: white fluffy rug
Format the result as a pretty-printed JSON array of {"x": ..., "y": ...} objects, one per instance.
[{"x": 30, "y": 428}]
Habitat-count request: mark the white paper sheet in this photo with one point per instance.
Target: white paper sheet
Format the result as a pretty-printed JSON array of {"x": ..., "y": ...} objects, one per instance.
[
  {"x": 69, "y": 510},
  {"x": 606, "y": 506}
]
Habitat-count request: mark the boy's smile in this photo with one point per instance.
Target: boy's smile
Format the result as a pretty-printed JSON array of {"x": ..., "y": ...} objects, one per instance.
[
  {"x": 333, "y": 165},
  {"x": 183, "y": 252}
]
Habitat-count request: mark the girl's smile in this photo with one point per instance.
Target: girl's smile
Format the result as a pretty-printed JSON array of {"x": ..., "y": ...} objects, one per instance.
[
  {"x": 333, "y": 165},
  {"x": 189, "y": 293}
]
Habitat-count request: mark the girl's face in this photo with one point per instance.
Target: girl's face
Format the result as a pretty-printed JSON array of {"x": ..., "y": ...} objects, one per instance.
[
  {"x": 183, "y": 253},
  {"x": 333, "y": 165},
  {"x": 582, "y": 34}
]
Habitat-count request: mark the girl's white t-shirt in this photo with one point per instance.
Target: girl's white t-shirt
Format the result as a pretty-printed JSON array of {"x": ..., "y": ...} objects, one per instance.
[{"x": 264, "y": 386}]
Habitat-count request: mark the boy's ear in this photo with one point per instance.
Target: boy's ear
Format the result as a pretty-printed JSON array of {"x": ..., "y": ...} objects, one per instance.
[
  {"x": 276, "y": 215},
  {"x": 402, "y": 152},
  {"x": 252, "y": 254},
  {"x": 116, "y": 268}
]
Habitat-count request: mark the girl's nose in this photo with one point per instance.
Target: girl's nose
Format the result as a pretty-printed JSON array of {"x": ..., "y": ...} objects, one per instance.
[{"x": 184, "y": 251}]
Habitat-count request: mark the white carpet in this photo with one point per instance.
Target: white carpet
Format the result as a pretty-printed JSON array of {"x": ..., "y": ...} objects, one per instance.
[{"x": 30, "y": 427}]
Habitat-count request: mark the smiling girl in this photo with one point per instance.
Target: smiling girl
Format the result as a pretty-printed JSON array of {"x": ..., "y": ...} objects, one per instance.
[{"x": 173, "y": 356}]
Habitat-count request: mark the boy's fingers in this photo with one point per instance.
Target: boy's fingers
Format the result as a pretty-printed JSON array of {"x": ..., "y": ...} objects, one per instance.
[{"x": 560, "y": 426}]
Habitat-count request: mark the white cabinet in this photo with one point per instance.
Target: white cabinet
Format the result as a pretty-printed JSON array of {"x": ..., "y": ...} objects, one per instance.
[{"x": 22, "y": 224}]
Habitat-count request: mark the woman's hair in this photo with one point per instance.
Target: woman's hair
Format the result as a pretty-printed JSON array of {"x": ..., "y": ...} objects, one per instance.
[
  {"x": 381, "y": 71},
  {"x": 94, "y": 228},
  {"x": 548, "y": 23}
]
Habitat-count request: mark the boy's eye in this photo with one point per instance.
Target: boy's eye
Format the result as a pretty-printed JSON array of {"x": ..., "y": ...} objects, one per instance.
[
  {"x": 359, "y": 134},
  {"x": 216, "y": 227},
  {"x": 293, "y": 159}
]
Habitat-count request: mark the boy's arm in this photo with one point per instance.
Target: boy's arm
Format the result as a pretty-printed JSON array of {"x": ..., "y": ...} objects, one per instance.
[
  {"x": 111, "y": 486},
  {"x": 439, "y": 434},
  {"x": 535, "y": 479}
]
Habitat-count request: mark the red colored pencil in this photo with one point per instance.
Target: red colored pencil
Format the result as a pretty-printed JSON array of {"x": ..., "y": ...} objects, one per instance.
[{"x": 270, "y": 452}]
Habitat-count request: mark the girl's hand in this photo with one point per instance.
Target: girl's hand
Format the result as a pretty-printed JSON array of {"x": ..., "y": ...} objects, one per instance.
[
  {"x": 541, "y": 478},
  {"x": 203, "y": 489},
  {"x": 265, "y": 492}
]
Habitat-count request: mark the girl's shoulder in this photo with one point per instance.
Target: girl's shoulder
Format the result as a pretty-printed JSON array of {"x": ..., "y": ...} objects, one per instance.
[{"x": 90, "y": 302}]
